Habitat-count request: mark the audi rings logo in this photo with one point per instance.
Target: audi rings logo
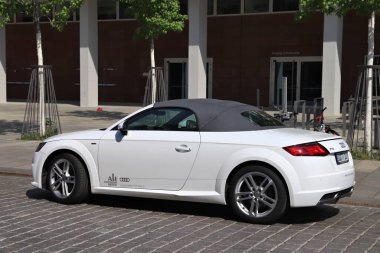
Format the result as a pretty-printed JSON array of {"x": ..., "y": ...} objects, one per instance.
[{"x": 125, "y": 179}]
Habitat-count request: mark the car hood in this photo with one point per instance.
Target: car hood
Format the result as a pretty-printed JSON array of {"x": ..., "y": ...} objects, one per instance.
[{"x": 94, "y": 134}]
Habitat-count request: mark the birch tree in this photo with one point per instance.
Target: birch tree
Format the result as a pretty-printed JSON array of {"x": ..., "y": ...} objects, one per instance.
[
  {"x": 156, "y": 18},
  {"x": 58, "y": 12},
  {"x": 341, "y": 8}
]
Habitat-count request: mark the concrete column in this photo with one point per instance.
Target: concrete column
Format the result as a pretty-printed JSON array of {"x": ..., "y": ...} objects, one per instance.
[
  {"x": 197, "y": 86},
  {"x": 332, "y": 63},
  {"x": 3, "y": 76},
  {"x": 89, "y": 54}
]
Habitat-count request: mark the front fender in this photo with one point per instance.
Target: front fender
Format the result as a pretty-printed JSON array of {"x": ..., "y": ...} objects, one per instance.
[
  {"x": 265, "y": 155},
  {"x": 76, "y": 147}
]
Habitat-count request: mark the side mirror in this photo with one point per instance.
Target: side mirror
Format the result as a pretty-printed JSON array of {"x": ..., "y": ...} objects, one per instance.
[{"x": 122, "y": 129}]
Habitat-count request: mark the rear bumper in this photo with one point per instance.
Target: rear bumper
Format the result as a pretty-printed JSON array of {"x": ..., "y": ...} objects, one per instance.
[
  {"x": 325, "y": 188},
  {"x": 332, "y": 198}
]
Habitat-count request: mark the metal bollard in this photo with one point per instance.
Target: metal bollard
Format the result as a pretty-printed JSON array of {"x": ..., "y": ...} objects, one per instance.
[
  {"x": 346, "y": 109},
  {"x": 285, "y": 94},
  {"x": 308, "y": 120},
  {"x": 301, "y": 103},
  {"x": 318, "y": 103}
]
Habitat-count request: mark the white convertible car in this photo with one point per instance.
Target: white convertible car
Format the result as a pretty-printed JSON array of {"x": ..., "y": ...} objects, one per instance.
[{"x": 201, "y": 150}]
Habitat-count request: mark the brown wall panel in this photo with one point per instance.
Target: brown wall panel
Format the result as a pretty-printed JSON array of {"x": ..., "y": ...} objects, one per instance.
[
  {"x": 355, "y": 46},
  {"x": 242, "y": 46},
  {"x": 123, "y": 60},
  {"x": 20, "y": 53},
  {"x": 60, "y": 49}
]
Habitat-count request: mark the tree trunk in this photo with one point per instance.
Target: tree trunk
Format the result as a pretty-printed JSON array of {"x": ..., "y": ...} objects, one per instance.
[
  {"x": 370, "y": 56},
  {"x": 153, "y": 68},
  {"x": 40, "y": 60}
]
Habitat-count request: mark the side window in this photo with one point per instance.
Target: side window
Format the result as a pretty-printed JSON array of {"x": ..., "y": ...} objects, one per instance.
[
  {"x": 189, "y": 123},
  {"x": 164, "y": 119}
]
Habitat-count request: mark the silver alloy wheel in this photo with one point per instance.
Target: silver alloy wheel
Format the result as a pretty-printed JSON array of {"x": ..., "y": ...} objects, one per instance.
[
  {"x": 256, "y": 194},
  {"x": 62, "y": 178}
]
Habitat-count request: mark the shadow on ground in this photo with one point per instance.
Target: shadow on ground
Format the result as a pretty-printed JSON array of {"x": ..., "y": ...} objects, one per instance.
[
  {"x": 304, "y": 215},
  {"x": 13, "y": 126},
  {"x": 293, "y": 216},
  {"x": 38, "y": 194},
  {"x": 102, "y": 115}
]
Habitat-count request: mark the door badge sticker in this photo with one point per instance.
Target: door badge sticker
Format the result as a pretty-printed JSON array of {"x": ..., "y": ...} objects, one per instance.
[
  {"x": 112, "y": 180},
  {"x": 125, "y": 179}
]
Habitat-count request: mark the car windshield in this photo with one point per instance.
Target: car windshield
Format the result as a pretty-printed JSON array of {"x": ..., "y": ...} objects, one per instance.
[{"x": 261, "y": 118}]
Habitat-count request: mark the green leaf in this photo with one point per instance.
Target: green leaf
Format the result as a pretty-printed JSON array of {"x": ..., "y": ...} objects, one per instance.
[
  {"x": 156, "y": 17},
  {"x": 338, "y": 7},
  {"x": 57, "y": 11}
]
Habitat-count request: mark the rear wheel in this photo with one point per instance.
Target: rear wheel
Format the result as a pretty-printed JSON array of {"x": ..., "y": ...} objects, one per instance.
[
  {"x": 67, "y": 179},
  {"x": 257, "y": 195}
]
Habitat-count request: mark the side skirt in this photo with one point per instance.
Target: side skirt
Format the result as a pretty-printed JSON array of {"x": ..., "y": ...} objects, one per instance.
[{"x": 191, "y": 196}]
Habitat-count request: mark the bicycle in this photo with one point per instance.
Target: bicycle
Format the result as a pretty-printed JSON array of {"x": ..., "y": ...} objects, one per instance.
[{"x": 320, "y": 126}]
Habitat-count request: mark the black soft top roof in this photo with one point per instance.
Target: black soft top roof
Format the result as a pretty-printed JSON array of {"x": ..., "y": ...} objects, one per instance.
[{"x": 216, "y": 115}]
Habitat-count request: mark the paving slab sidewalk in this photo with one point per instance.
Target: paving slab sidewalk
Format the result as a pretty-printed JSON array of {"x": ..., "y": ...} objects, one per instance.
[{"x": 16, "y": 155}]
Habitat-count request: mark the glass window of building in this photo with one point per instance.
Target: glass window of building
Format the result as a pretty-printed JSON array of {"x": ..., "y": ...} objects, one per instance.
[
  {"x": 106, "y": 9},
  {"x": 210, "y": 7},
  {"x": 183, "y": 7},
  {"x": 285, "y": 5},
  {"x": 46, "y": 17},
  {"x": 77, "y": 15},
  {"x": 71, "y": 18},
  {"x": 228, "y": 6},
  {"x": 23, "y": 17},
  {"x": 253, "y": 6},
  {"x": 125, "y": 11}
]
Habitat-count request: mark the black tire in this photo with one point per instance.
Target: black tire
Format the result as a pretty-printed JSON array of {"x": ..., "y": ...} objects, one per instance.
[
  {"x": 263, "y": 200},
  {"x": 67, "y": 179}
]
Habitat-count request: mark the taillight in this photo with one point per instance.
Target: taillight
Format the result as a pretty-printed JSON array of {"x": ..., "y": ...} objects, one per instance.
[{"x": 307, "y": 149}]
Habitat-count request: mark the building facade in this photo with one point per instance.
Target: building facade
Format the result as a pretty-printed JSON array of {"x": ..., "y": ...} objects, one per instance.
[{"x": 231, "y": 50}]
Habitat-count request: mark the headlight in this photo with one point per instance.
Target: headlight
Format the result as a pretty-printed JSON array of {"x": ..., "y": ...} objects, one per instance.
[{"x": 40, "y": 146}]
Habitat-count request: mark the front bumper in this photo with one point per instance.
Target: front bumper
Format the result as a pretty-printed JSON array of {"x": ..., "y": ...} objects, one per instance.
[{"x": 36, "y": 169}]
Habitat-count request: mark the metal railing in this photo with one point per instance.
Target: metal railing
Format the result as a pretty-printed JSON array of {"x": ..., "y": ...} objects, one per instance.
[
  {"x": 41, "y": 117},
  {"x": 357, "y": 136}
]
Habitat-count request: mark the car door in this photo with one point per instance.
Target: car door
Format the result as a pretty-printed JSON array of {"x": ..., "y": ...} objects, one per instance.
[{"x": 157, "y": 152}]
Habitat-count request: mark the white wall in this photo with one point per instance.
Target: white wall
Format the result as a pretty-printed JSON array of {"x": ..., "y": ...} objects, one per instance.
[
  {"x": 3, "y": 77},
  {"x": 197, "y": 10},
  {"x": 89, "y": 54},
  {"x": 332, "y": 63}
]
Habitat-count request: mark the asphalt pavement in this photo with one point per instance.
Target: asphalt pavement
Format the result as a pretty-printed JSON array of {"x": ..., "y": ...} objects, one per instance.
[{"x": 16, "y": 155}]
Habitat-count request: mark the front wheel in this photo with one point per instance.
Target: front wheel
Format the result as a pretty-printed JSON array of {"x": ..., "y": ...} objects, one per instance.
[
  {"x": 257, "y": 195},
  {"x": 67, "y": 179}
]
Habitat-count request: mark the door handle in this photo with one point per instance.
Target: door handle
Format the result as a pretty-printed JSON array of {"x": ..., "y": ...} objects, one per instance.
[{"x": 182, "y": 149}]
